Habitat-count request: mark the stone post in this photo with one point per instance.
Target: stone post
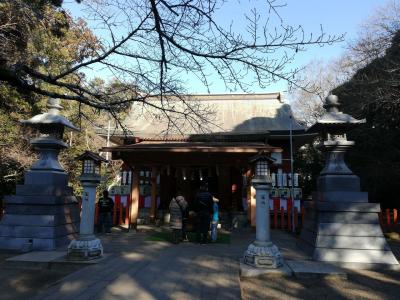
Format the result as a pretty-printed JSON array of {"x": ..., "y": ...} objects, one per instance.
[
  {"x": 263, "y": 235},
  {"x": 262, "y": 253},
  {"x": 87, "y": 246}
]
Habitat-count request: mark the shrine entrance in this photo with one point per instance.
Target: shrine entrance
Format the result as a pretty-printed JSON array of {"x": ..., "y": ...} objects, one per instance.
[
  {"x": 224, "y": 166},
  {"x": 224, "y": 182}
]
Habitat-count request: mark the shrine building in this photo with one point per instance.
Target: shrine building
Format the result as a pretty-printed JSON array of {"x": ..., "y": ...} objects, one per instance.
[{"x": 158, "y": 163}]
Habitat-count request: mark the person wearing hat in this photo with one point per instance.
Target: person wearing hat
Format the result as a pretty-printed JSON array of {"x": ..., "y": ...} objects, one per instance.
[{"x": 214, "y": 220}]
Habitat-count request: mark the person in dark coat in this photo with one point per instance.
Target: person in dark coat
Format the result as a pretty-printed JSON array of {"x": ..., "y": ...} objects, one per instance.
[
  {"x": 204, "y": 208},
  {"x": 106, "y": 206},
  {"x": 177, "y": 210}
]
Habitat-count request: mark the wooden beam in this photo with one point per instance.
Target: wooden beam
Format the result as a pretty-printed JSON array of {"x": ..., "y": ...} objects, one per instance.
[{"x": 185, "y": 159}]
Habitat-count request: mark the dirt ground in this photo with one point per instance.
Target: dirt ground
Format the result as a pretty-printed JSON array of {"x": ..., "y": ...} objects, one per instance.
[
  {"x": 24, "y": 283},
  {"x": 359, "y": 285},
  {"x": 362, "y": 284}
]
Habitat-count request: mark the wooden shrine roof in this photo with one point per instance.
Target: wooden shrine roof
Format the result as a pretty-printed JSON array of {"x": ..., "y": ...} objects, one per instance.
[{"x": 239, "y": 115}]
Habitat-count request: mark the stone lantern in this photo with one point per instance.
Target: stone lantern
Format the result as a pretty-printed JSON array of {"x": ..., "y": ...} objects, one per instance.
[
  {"x": 262, "y": 253},
  {"x": 43, "y": 215},
  {"x": 91, "y": 165},
  {"x": 340, "y": 225},
  {"x": 87, "y": 246}
]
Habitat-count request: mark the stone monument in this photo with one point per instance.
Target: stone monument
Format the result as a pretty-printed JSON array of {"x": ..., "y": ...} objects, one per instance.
[
  {"x": 262, "y": 253},
  {"x": 340, "y": 225},
  {"x": 43, "y": 214}
]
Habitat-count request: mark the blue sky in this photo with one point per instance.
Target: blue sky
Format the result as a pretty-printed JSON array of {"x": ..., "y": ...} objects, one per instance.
[{"x": 336, "y": 17}]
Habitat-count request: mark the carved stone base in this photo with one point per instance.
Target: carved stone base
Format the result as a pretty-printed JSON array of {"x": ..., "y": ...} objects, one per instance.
[
  {"x": 85, "y": 249},
  {"x": 42, "y": 216},
  {"x": 345, "y": 233},
  {"x": 263, "y": 256}
]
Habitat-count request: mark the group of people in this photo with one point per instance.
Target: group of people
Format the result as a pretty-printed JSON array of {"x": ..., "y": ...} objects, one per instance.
[
  {"x": 205, "y": 208},
  {"x": 206, "y": 214}
]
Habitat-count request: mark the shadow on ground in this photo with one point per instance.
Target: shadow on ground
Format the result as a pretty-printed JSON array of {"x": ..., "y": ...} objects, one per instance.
[
  {"x": 359, "y": 285},
  {"x": 140, "y": 269},
  {"x": 24, "y": 283}
]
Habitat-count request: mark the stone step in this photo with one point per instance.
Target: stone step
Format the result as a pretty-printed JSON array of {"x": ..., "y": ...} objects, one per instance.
[
  {"x": 38, "y": 220},
  {"x": 38, "y": 231},
  {"x": 43, "y": 190},
  {"x": 40, "y": 199},
  {"x": 28, "y": 244},
  {"x": 354, "y": 242},
  {"x": 355, "y": 256}
]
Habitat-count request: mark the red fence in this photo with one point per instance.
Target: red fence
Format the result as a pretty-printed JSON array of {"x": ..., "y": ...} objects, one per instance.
[
  {"x": 121, "y": 212},
  {"x": 389, "y": 219},
  {"x": 279, "y": 217},
  {"x": 282, "y": 219}
]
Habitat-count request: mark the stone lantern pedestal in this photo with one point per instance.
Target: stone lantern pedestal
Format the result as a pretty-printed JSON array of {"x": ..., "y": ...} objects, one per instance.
[
  {"x": 43, "y": 215},
  {"x": 262, "y": 253},
  {"x": 341, "y": 226},
  {"x": 87, "y": 246}
]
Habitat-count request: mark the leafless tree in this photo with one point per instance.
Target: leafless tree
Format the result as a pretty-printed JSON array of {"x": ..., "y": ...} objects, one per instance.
[
  {"x": 373, "y": 41},
  {"x": 319, "y": 78},
  {"x": 149, "y": 47},
  {"x": 375, "y": 36}
]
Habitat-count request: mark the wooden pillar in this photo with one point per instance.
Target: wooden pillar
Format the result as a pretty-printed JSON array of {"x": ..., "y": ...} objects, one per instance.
[
  {"x": 153, "y": 207},
  {"x": 134, "y": 198},
  {"x": 248, "y": 194},
  {"x": 224, "y": 188},
  {"x": 252, "y": 206}
]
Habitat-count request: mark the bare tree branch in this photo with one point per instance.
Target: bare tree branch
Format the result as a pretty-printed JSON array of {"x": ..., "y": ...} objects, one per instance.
[{"x": 152, "y": 48}]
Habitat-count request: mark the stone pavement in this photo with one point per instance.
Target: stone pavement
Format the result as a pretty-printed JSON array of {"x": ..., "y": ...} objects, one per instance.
[{"x": 137, "y": 269}]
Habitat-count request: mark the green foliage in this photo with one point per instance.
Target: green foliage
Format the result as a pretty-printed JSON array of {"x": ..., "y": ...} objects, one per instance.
[
  {"x": 14, "y": 148},
  {"x": 166, "y": 236},
  {"x": 308, "y": 162},
  {"x": 46, "y": 46}
]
